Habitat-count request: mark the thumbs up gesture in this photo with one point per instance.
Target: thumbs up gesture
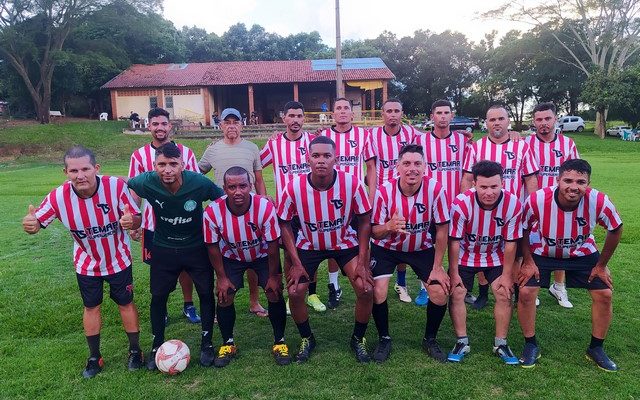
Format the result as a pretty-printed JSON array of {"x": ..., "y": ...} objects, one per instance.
[
  {"x": 397, "y": 223},
  {"x": 126, "y": 221},
  {"x": 30, "y": 223}
]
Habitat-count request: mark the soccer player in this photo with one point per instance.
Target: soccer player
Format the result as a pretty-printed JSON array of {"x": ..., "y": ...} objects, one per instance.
[
  {"x": 402, "y": 214},
  {"x": 325, "y": 200},
  {"x": 385, "y": 144},
  {"x": 486, "y": 222},
  {"x": 142, "y": 161},
  {"x": 241, "y": 232},
  {"x": 229, "y": 152},
  {"x": 288, "y": 152},
  {"x": 176, "y": 196},
  {"x": 97, "y": 210},
  {"x": 566, "y": 216},
  {"x": 550, "y": 150}
]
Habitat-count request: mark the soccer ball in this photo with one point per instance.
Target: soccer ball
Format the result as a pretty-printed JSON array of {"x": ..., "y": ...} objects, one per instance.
[{"x": 173, "y": 357}]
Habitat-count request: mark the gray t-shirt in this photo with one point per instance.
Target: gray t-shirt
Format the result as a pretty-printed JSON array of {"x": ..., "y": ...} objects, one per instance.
[{"x": 220, "y": 156}]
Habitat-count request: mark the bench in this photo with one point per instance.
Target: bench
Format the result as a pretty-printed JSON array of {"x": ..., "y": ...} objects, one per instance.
[{"x": 55, "y": 114}]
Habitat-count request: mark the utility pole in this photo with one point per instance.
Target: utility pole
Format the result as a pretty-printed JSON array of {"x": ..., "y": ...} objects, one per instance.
[{"x": 339, "y": 84}]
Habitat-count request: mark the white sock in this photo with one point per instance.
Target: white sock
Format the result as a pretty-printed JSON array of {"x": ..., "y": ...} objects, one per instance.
[
  {"x": 559, "y": 285},
  {"x": 422, "y": 285},
  {"x": 333, "y": 279}
]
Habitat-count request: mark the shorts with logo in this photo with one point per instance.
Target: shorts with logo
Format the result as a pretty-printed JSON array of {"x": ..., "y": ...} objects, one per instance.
[
  {"x": 577, "y": 271},
  {"x": 147, "y": 244},
  {"x": 467, "y": 274},
  {"x": 235, "y": 270},
  {"x": 167, "y": 264},
  {"x": 383, "y": 261},
  {"x": 120, "y": 288},
  {"x": 311, "y": 259}
]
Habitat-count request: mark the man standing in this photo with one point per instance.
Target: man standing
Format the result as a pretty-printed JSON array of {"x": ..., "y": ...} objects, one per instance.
[
  {"x": 229, "y": 152},
  {"x": 142, "y": 161},
  {"x": 241, "y": 232},
  {"x": 96, "y": 210},
  {"x": 325, "y": 200},
  {"x": 176, "y": 196},
  {"x": 486, "y": 222},
  {"x": 565, "y": 217},
  {"x": 402, "y": 214}
]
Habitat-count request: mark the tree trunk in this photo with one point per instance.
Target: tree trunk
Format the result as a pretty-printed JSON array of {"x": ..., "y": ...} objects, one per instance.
[{"x": 601, "y": 123}]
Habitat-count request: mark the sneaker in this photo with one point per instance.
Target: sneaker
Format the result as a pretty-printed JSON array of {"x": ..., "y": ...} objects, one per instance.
[
  {"x": 382, "y": 351},
  {"x": 135, "y": 360},
  {"x": 423, "y": 298},
  {"x": 93, "y": 368},
  {"x": 288, "y": 309},
  {"x": 434, "y": 350},
  {"x": 530, "y": 355},
  {"x": 166, "y": 320},
  {"x": 226, "y": 353},
  {"x": 151, "y": 362},
  {"x": 359, "y": 347},
  {"x": 504, "y": 352},
  {"x": 403, "y": 293},
  {"x": 207, "y": 355},
  {"x": 537, "y": 301},
  {"x": 480, "y": 303},
  {"x": 598, "y": 356},
  {"x": 280, "y": 352},
  {"x": 314, "y": 301},
  {"x": 561, "y": 296},
  {"x": 192, "y": 314},
  {"x": 458, "y": 352},
  {"x": 469, "y": 298},
  {"x": 306, "y": 347},
  {"x": 334, "y": 296}
]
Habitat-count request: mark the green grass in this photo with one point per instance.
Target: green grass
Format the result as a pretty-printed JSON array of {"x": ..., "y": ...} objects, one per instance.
[{"x": 42, "y": 346}]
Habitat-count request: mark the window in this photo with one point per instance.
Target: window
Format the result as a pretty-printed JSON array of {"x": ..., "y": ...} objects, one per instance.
[
  {"x": 574, "y": 119},
  {"x": 153, "y": 101},
  {"x": 168, "y": 102}
]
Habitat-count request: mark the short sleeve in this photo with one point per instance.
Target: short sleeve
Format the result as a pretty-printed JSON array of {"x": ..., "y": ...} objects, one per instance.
[
  {"x": 257, "y": 164},
  {"x": 205, "y": 162},
  {"x": 529, "y": 163},
  {"x": 286, "y": 207},
  {"x": 214, "y": 191},
  {"x": 469, "y": 158},
  {"x": 512, "y": 230},
  {"x": 266, "y": 157},
  {"x": 210, "y": 229},
  {"x": 608, "y": 217},
  {"x": 529, "y": 217},
  {"x": 360, "y": 203},
  {"x": 190, "y": 163},
  {"x": 137, "y": 184},
  {"x": 379, "y": 214},
  {"x": 271, "y": 227},
  {"x": 47, "y": 211},
  {"x": 573, "y": 151},
  {"x": 458, "y": 218},
  {"x": 135, "y": 168},
  {"x": 127, "y": 200},
  {"x": 440, "y": 207}
]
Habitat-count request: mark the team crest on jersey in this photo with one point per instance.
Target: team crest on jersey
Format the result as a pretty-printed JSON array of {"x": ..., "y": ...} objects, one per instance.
[
  {"x": 454, "y": 148},
  {"x": 421, "y": 207},
  {"x": 402, "y": 144},
  {"x": 510, "y": 154},
  {"x": 104, "y": 207},
  {"x": 190, "y": 205},
  {"x": 581, "y": 221},
  {"x": 253, "y": 226},
  {"x": 372, "y": 263},
  {"x": 353, "y": 144},
  {"x": 558, "y": 153},
  {"x": 337, "y": 203},
  {"x": 433, "y": 166},
  {"x": 303, "y": 150},
  {"x": 499, "y": 221}
]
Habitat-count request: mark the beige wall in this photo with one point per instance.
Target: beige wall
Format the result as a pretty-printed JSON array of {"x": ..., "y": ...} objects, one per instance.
[
  {"x": 189, "y": 107},
  {"x": 138, "y": 104}
]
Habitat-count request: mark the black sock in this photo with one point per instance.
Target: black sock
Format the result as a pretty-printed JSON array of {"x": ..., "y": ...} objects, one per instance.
[
  {"x": 278, "y": 318},
  {"x": 158, "y": 312},
  {"x": 484, "y": 290},
  {"x": 595, "y": 342},
  {"x": 312, "y": 288},
  {"x": 134, "y": 341},
  {"x": 187, "y": 304},
  {"x": 226, "y": 321},
  {"x": 207, "y": 314},
  {"x": 380, "y": 314},
  {"x": 359, "y": 329},
  {"x": 435, "y": 314},
  {"x": 304, "y": 328},
  {"x": 531, "y": 340},
  {"x": 94, "y": 345}
]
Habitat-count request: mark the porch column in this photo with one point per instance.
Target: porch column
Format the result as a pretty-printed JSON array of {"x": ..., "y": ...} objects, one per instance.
[
  {"x": 295, "y": 92},
  {"x": 385, "y": 91},
  {"x": 160, "y": 97},
  {"x": 207, "y": 106},
  {"x": 251, "y": 103},
  {"x": 114, "y": 105}
]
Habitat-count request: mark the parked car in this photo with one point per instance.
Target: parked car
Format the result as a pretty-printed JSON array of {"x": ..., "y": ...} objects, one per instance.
[
  {"x": 571, "y": 123},
  {"x": 617, "y": 130},
  {"x": 463, "y": 123}
]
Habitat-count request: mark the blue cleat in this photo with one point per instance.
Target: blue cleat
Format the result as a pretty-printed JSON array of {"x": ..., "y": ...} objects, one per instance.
[
  {"x": 598, "y": 356},
  {"x": 423, "y": 298},
  {"x": 530, "y": 355},
  {"x": 504, "y": 352},
  {"x": 192, "y": 314},
  {"x": 458, "y": 352}
]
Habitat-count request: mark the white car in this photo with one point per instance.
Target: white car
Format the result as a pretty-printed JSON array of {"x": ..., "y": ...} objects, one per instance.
[
  {"x": 571, "y": 123},
  {"x": 617, "y": 130}
]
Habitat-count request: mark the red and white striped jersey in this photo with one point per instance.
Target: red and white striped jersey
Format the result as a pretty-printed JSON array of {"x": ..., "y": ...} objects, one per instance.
[
  {"x": 324, "y": 215},
  {"x": 241, "y": 237},
  {"x": 351, "y": 149},
  {"x": 550, "y": 156},
  {"x": 566, "y": 234},
  {"x": 515, "y": 157},
  {"x": 444, "y": 158},
  {"x": 142, "y": 161},
  {"x": 101, "y": 247},
  {"x": 482, "y": 233},
  {"x": 289, "y": 158},
  {"x": 385, "y": 148},
  {"x": 428, "y": 204}
]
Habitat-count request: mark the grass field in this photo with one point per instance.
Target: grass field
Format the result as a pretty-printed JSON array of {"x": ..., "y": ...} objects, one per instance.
[{"x": 43, "y": 350}]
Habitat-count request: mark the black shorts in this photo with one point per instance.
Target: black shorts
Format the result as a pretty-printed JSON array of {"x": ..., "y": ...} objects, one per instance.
[
  {"x": 577, "y": 271},
  {"x": 120, "y": 288},
  {"x": 383, "y": 261},
  {"x": 167, "y": 264},
  {"x": 468, "y": 273},
  {"x": 311, "y": 259},
  {"x": 235, "y": 270},
  {"x": 295, "y": 228},
  {"x": 147, "y": 244}
]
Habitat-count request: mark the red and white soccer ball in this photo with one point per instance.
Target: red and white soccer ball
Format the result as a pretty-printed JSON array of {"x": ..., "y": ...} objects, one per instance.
[{"x": 173, "y": 357}]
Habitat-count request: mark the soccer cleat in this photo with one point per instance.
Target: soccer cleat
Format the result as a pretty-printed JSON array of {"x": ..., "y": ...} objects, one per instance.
[
  {"x": 598, "y": 356},
  {"x": 135, "y": 360},
  {"x": 382, "y": 351},
  {"x": 560, "y": 295},
  {"x": 403, "y": 293},
  {"x": 192, "y": 314},
  {"x": 226, "y": 353},
  {"x": 434, "y": 350},
  {"x": 458, "y": 352},
  {"x": 288, "y": 308},
  {"x": 306, "y": 347},
  {"x": 93, "y": 368},
  {"x": 314, "y": 302},
  {"x": 480, "y": 303},
  {"x": 151, "y": 362},
  {"x": 469, "y": 298},
  {"x": 530, "y": 355},
  {"x": 280, "y": 353},
  {"x": 166, "y": 320},
  {"x": 423, "y": 298},
  {"x": 359, "y": 347},
  {"x": 504, "y": 352},
  {"x": 334, "y": 296},
  {"x": 207, "y": 355}
]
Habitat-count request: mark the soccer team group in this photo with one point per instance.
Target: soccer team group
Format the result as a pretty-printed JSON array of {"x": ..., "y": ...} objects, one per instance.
[{"x": 510, "y": 209}]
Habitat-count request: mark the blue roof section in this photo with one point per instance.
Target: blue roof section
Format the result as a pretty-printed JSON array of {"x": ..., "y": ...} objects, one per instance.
[{"x": 348, "y": 63}]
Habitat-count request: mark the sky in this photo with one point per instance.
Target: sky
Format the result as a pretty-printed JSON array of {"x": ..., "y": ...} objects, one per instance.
[{"x": 360, "y": 19}]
